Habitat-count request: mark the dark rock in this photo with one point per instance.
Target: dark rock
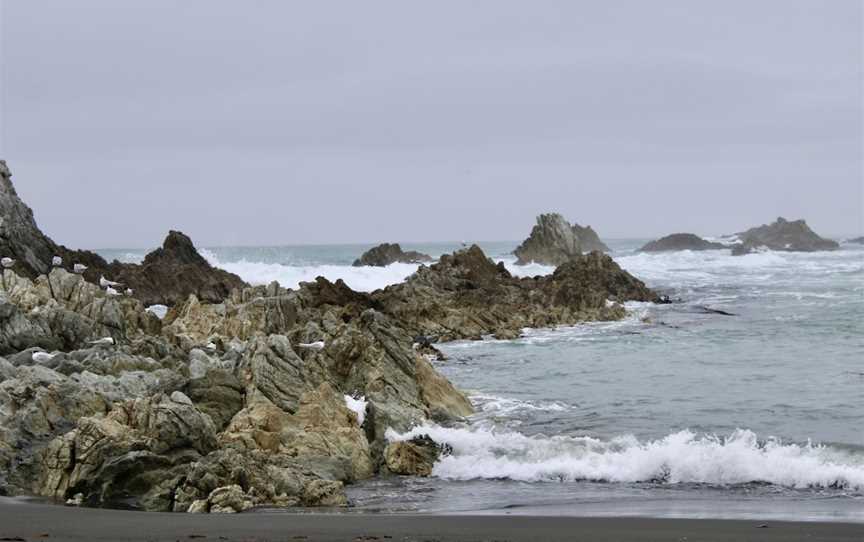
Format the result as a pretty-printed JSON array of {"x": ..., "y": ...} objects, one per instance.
[
  {"x": 680, "y": 241},
  {"x": 553, "y": 241},
  {"x": 856, "y": 240},
  {"x": 172, "y": 273},
  {"x": 782, "y": 235},
  {"x": 466, "y": 295},
  {"x": 389, "y": 253}
]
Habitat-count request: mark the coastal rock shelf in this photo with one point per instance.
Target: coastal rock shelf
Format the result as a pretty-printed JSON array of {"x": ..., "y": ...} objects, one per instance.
[{"x": 246, "y": 396}]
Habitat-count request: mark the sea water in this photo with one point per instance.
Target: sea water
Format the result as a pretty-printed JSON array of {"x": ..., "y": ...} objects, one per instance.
[{"x": 677, "y": 411}]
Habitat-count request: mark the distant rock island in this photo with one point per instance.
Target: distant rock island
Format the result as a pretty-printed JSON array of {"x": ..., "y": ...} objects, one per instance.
[
  {"x": 680, "y": 241},
  {"x": 389, "y": 253},
  {"x": 553, "y": 241},
  {"x": 782, "y": 235},
  {"x": 856, "y": 240}
]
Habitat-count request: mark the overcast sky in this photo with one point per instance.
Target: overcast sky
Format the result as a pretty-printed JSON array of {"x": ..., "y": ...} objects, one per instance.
[{"x": 277, "y": 122}]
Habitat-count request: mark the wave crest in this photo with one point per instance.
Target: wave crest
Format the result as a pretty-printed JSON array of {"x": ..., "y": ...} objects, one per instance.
[{"x": 681, "y": 457}]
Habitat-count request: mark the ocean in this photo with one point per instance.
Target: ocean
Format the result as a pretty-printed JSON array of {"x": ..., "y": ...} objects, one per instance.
[{"x": 676, "y": 411}]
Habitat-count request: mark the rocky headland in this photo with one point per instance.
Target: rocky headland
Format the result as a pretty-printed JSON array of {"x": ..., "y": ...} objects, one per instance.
[
  {"x": 261, "y": 396},
  {"x": 680, "y": 241},
  {"x": 554, "y": 241},
  {"x": 782, "y": 235},
  {"x": 390, "y": 253}
]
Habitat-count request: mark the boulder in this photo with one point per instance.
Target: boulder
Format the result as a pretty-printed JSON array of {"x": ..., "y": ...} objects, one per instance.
[
  {"x": 415, "y": 457},
  {"x": 553, "y": 241},
  {"x": 389, "y": 253},
  {"x": 680, "y": 241},
  {"x": 782, "y": 235}
]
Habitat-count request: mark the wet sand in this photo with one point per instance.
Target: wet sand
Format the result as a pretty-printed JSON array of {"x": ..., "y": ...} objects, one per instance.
[{"x": 42, "y": 522}]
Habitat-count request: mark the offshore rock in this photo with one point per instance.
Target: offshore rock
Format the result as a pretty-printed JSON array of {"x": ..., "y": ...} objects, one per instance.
[
  {"x": 680, "y": 241},
  {"x": 389, "y": 253},
  {"x": 782, "y": 235},
  {"x": 467, "y": 296},
  {"x": 553, "y": 241}
]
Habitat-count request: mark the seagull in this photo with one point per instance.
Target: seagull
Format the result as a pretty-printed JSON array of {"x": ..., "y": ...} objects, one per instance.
[
  {"x": 129, "y": 291},
  {"x": 7, "y": 262},
  {"x": 42, "y": 357},
  {"x": 111, "y": 291},
  {"x": 318, "y": 345},
  {"x": 79, "y": 268},
  {"x": 106, "y": 341},
  {"x": 105, "y": 283},
  {"x": 57, "y": 261}
]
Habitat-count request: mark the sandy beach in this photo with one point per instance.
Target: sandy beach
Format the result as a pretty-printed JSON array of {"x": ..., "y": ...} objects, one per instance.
[{"x": 24, "y": 521}]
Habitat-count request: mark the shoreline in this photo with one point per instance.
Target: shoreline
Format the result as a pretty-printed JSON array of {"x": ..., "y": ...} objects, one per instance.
[{"x": 28, "y": 521}]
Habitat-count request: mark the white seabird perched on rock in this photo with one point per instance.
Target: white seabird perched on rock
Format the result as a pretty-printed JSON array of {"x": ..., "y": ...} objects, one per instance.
[
  {"x": 79, "y": 268},
  {"x": 105, "y": 341},
  {"x": 7, "y": 262},
  {"x": 317, "y": 345},
  {"x": 112, "y": 292},
  {"x": 105, "y": 283},
  {"x": 129, "y": 291},
  {"x": 57, "y": 261},
  {"x": 42, "y": 357}
]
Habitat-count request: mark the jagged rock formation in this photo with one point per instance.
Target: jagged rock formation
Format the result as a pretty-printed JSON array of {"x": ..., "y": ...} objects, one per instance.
[
  {"x": 466, "y": 296},
  {"x": 250, "y": 400},
  {"x": 782, "y": 235},
  {"x": 388, "y": 253},
  {"x": 553, "y": 241},
  {"x": 680, "y": 241},
  {"x": 171, "y": 273},
  {"x": 167, "y": 276}
]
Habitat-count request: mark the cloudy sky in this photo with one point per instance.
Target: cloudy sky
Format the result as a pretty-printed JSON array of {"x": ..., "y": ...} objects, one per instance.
[{"x": 278, "y": 122}]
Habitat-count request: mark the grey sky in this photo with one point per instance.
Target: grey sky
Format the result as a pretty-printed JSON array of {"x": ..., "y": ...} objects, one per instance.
[{"x": 275, "y": 122}]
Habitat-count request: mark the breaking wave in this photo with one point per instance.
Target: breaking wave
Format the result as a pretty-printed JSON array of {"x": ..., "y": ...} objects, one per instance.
[{"x": 679, "y": 458}]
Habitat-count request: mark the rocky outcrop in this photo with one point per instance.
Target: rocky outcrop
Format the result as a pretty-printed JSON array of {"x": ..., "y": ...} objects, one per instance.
[
  {"x": 680, "y": 241},
  {"x": 172, "y": 273},
  {"x": 856, "y": 240},
  {"x": 782, "y": 235},
  {"x": 389, "y": 253},
  {"x": 264, "y": 396},
  {"x": 167, "y": 276},
  {"x": 553, "y": 241},
  {"x": 467, "y": 296}
]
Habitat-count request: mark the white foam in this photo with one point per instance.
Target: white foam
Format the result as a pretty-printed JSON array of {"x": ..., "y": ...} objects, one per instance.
[
  {"x": 361, "y": 279},
  {"x": 504, "y": 406},
  {"x": 681, "y": 457},
  {"x": 358, "y": 406}
]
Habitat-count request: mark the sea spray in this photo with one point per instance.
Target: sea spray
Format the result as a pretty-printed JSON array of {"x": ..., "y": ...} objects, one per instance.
[{"x": 679, "y": 458}]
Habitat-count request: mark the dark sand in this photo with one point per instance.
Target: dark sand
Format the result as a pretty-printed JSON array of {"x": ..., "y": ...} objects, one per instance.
[{"x": 41, "y": 522}]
